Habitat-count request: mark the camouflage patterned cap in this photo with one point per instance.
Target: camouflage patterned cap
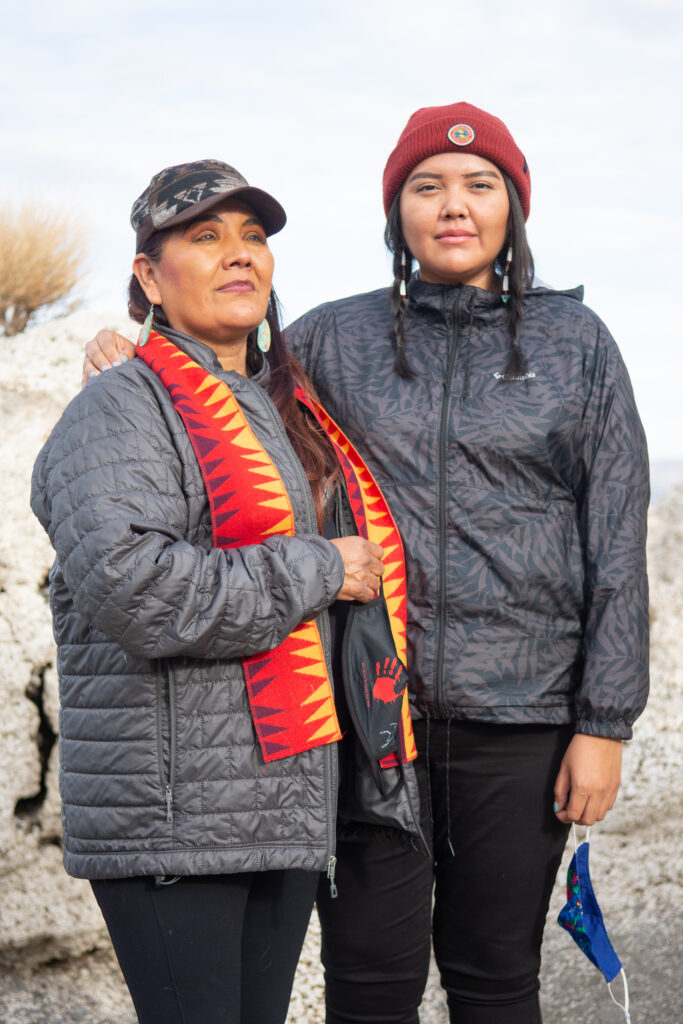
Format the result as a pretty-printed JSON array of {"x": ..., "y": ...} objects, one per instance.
[{"x": 179, "y": 194}]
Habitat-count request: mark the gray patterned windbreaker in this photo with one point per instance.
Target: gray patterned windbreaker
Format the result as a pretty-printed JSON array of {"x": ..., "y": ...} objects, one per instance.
[{"x": 522, "y": 504}]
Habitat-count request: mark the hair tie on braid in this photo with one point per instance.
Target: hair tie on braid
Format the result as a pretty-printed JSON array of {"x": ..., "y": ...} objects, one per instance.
[{"x": 516, "y": 368}]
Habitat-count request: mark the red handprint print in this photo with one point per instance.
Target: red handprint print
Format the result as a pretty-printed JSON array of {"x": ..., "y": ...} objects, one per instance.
[{"x": 387, "y": 687}]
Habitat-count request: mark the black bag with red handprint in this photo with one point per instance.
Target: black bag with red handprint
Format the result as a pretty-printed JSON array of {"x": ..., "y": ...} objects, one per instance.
[{"x": 374, "y": 680}]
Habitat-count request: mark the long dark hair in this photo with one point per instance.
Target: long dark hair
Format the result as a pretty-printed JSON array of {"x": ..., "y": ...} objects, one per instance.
[
  {"x": 311, "y": 445},
  {"x": 521, "y": 275}
]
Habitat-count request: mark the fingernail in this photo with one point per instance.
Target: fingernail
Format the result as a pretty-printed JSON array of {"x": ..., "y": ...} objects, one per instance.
[
  {"x": 104, "y": 368},
  {"x": 124, "y": 359},
  {"x": 556, "y": 806},
  {"x": 94, "y": 373},
  {"x": 116, "y": 363}
]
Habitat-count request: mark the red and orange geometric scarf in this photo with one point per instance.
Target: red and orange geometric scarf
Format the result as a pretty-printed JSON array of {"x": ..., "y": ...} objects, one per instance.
[{"x": 290, "y": 693}]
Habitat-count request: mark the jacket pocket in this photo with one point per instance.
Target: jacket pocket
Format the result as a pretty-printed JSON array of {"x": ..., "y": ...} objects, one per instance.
[{"x": 394, "y": 806}]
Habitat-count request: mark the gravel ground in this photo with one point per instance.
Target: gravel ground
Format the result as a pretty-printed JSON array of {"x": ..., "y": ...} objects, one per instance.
[{"x": 646, "y": 935}]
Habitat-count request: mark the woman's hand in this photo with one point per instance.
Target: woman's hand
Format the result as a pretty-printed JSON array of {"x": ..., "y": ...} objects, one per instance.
[
  {"x": 588, "y": 780},
  {"x": 363, "y": 568},
  {"x": 105, "y": 350}
]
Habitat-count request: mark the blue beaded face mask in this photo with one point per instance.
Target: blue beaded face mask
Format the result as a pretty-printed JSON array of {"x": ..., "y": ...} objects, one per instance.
[{"x": 582, "y": 918}]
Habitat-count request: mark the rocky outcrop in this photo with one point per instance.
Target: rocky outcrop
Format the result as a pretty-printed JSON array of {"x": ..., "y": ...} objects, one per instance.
[
  {"x": 56, "y": 963},
  {"x": 44, "y": 914}
]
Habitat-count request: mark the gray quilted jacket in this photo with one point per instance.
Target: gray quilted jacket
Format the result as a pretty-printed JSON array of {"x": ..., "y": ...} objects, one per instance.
[
  {"x": 160, "y": 768},
  {"x": 522, "y": 505}
]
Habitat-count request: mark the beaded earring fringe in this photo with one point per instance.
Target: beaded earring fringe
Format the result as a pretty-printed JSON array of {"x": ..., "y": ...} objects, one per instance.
[
  {"x": 506, "y": 277},
  {"x": 402, "y": 287}
]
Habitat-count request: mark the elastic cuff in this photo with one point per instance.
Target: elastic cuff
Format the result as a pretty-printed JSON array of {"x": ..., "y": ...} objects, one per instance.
[{"x": 610, "y": 730}]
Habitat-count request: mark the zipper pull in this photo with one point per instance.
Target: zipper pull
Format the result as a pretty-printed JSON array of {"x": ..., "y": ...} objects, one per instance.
[
  {"x": 331, "y": 869},
  {"x": 169, "y": 804}
]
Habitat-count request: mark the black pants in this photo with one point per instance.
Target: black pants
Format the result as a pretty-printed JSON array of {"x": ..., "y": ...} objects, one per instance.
[
  {"x": 215, "y": 949},
  {"x": 487, "y": 795}
]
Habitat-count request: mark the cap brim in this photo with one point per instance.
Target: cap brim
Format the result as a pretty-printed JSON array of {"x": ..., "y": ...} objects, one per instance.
[{"x": 269, "y": 211}]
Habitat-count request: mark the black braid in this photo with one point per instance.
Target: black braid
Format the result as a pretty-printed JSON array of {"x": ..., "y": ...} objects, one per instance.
[
  {"x": 393, "y": 236},
  {"x": 520, "y": 276}
]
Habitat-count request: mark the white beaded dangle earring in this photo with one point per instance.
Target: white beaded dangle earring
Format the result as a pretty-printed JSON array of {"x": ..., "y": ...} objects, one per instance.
[
  {"x": 402, "y": 287},
  {"x": 506, "y": 276}
]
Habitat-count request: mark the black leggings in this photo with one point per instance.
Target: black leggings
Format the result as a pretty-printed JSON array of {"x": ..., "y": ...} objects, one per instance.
[
  {"x": 215, "y": 949},
  {"x": 497, "y": 846}
]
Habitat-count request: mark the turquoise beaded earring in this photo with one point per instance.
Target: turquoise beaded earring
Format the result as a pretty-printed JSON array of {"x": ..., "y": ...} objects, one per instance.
[
  {"x": 263, "y": 336},
  {"x": 146, "y": 327}
]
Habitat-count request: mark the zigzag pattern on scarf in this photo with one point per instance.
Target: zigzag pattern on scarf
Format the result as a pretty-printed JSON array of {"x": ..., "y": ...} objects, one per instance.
[
  {"x": 374, "y": 522},
  {"x": 289, "y": 688}
]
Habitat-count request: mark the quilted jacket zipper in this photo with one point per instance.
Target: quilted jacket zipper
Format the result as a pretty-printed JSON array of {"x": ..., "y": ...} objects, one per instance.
[{"x": 166, "y": 774}]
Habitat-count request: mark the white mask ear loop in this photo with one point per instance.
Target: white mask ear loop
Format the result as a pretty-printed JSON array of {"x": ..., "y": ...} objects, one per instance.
[
  {"x": 576, "y": 838},
  {"x": 625, "y": 1005}
]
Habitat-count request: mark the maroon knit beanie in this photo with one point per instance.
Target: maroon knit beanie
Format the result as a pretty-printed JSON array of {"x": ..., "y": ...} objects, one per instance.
[{"x": 458, "y": 127}]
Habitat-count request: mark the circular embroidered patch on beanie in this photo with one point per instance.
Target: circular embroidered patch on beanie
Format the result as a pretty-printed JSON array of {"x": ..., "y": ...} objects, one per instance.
[{"x": 461, "y": 134}]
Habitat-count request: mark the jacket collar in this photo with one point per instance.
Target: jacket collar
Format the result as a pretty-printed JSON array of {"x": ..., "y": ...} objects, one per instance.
[
  {"x": 440, "y": 297},
  {"x": 207, "y": 358},
  {"x": 544, "y": 289}
]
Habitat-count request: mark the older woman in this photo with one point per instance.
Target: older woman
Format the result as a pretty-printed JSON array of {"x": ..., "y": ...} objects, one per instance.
[
  {"x": 499, "y": 420},
  {"x": 187, "y": 496}
]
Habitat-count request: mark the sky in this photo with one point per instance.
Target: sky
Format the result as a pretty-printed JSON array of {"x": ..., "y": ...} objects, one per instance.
[{"x": 307, "y": 100}]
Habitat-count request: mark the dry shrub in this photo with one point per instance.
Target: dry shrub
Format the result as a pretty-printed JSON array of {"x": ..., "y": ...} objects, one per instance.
[{"x": 42, "y": 252}]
